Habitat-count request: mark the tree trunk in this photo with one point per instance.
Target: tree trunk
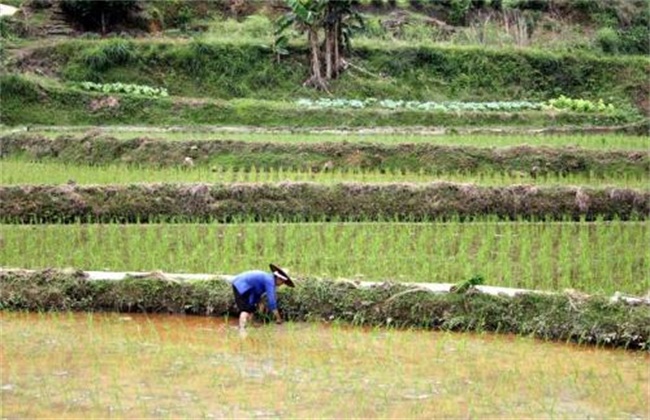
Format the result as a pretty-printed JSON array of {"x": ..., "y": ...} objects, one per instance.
[
  {"x": 337, "y": 48},
  {"x": 329, "y": 44},
  {"x": 316, "y": 80}
]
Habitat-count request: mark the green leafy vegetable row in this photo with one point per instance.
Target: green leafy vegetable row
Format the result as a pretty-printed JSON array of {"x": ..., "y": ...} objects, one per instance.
[
  {"x": 561, "y": 103},
  {"x": 124, "y": 88}
]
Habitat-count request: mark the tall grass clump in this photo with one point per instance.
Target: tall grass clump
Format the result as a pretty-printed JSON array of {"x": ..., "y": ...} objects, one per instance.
[
  {"x": 114, "y": 52},
  {"x": 251, "y": 29},
  {"x": 14, "y": 85}
]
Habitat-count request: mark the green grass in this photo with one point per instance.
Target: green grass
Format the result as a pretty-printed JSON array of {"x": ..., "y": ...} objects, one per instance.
[
  {"x": 407, "y": 135},
  {"x": 485, "y": 30},
  {"x": 75, "y": 107},
  {"x": 141, "y": 366},
  {"x": 600, "y": 257},
  {"x": 18, "y": 171},
  {"x": 227, "y": 70}
]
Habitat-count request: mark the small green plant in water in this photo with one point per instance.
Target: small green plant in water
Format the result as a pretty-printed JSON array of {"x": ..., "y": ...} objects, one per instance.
[{"x": 467, "y": 285}]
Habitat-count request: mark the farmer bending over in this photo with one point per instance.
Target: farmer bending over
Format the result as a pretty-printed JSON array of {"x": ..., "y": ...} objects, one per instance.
[{"x": 251, "y": 285}]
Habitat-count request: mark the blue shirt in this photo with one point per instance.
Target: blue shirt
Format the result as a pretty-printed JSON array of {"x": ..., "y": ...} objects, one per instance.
[{"x": 258, "y": 283}]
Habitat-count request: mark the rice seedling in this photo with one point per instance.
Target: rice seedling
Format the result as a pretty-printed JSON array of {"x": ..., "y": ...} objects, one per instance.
[
  {"x": 605, "y": 141},
  {"x": 599, "y": 257},
  {"x": 16, "y": 171},
  {"x": 111, "y": 365}
]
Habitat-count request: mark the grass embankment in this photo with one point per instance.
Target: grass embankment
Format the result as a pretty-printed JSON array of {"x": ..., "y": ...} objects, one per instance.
[
  {"x": 420, "y": 158},
  {"x": 226, "y": 70},
  {"x": 314, "y": 202},
  {"x": 554, "y": 317},
  {"x": 601, "y": 257}
]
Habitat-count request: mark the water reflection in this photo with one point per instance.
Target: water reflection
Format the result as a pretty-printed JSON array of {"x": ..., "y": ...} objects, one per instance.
[{"x": 101, "y": 365}]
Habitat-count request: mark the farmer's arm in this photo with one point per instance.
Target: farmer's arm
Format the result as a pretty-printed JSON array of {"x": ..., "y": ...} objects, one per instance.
[{"x": 272, "y": 302}]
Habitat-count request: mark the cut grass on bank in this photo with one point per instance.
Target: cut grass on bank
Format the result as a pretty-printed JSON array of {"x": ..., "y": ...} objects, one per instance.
[{"x": 600, "y": 257}]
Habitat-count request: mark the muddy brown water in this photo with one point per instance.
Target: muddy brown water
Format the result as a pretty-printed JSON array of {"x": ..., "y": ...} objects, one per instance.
[{"x": 81, "y": 365}]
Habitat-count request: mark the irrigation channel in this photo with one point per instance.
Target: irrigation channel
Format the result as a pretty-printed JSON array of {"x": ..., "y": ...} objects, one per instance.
[{"x": 81, "y": 365}]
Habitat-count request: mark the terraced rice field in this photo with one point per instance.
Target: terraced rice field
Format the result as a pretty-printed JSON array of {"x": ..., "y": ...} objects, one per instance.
[
  {"x": 118, "y": 365},
  {"x": 384, "y": 136},
  {"x": 524, "y": 167},
  {"x": 20, "y": 171},
  {"x": 600, "y": 257}
]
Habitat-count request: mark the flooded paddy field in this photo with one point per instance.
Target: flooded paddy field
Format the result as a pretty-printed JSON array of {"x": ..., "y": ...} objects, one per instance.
[
  {"x": 81, "y": 365},
  {"x": 18, "y": 171},
  {"x": 380, "y": 135},
  {"x": 600, "y": 257}
]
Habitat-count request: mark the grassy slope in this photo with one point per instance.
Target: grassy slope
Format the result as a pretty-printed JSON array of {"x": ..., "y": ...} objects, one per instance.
[
  {"x": 202, "y": 70},
  {"x": 29, "y": 101},
  {"x": 418, "y": 72}
]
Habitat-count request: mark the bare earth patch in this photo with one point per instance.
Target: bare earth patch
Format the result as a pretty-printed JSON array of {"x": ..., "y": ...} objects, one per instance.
[{"x": 108, "y": 102}]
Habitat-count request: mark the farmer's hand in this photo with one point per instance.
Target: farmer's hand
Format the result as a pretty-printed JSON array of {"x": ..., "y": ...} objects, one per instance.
[{"x": 278, "y": 318}]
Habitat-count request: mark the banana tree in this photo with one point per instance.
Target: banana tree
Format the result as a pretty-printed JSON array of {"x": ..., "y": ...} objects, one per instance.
[
  {"x": 341, "y": 21},
  {"x": 305, "y": 16},
  {"x": 335, "y": 19}
]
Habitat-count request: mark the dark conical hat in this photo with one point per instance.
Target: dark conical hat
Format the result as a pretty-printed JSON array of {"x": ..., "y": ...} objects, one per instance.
[{"x": 279, "y": 273}]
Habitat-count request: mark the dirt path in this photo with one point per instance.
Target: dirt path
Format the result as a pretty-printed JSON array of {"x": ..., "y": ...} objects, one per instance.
[
  {"x": 411, "y": 130},
  {"x": 6, "y": 10}
]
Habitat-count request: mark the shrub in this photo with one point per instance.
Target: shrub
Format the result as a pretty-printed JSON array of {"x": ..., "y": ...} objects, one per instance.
[
  {"x": 635, "y": 40},
  {"x": 11, "y": 28},
  {"x": 108, "y": 54},
  {"x": 119, "y": 51},
  {"x": 95, "y": 58},
  {"x": 258, "y": 26},
  {"x": 608, "y": 40},
  {"x": 18, "y": 86}
]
